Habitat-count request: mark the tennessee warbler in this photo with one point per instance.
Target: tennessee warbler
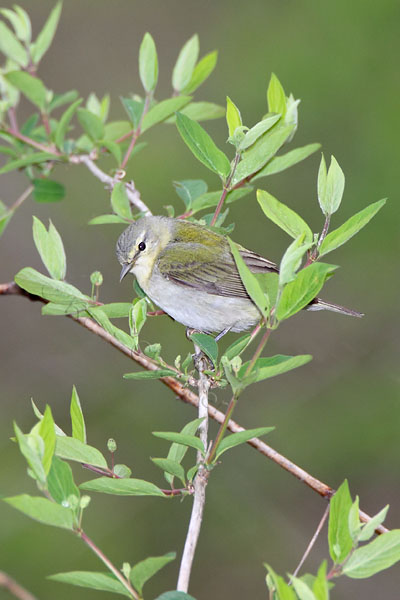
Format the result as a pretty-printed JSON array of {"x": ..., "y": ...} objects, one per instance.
[{"x": 189, "y": 272}]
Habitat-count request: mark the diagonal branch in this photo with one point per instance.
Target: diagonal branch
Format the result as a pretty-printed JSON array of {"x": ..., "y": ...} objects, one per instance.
[{"x": 189, "y": 397}]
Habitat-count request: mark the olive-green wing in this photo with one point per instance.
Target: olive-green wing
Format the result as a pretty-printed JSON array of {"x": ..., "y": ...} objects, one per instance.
[{"x": 211, "y": 270}]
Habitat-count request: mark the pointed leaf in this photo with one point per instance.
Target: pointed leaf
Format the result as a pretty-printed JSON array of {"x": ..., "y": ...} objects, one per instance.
[
  {"x": 284, "y": 161},
  {"x": 60, "y": 482},
  {"x": 190, "y": 189},
  {"x": 105, "y": 582},
  {"x": 45, "y": 37},
  {"x": 180, "y": 438},
  {"x": 302, "y": 589},
  {"x": 48, "y": 435},
  {"x": 120, "y": 201},
  {"x": 20, "y": 21},
  {"x": 185, "y": 64},
  {"x": 292, "y": 259},
  {"x": 42, "y": 510},
  {"x": 202, "y": 146},
  {"x": 257, "y": 131},
  {"x": 271, "y": 366},
  {"x": 122, "y": 487},
  {"x": 30, "y": 86},
  {"x": 237, "y": 347},
  {"x": 320, "y": 587},
  {"x": 233, "y": 117},
  {"x": 148, "y": 63},
  {"x": 250, "y": 282},
  {"x": 283, "y": 216},
  {"x": 77, "y": 420},
  {"x": 230, "y": 441},
  {"x": 30, "y": 159},
  {"x": 91, "y": 124},
  {"x": 107, "y": 219},
  {"x": 330, "y": 186},
  {"x": 283, "y": 590},
  {"x": 171, "y": 468},
  {"x": 260, "y": 153},
  {"x": 342, "y": 234},
  {"x": 177, "y": 451},
  {"x": 202, "y": 111},
  {"x": 62, "y": 126},
  {"x": 46, "y": 190},
  {"x": 11, "y": 47},
  {"x": 380, "y": 554},
  {"x": 305, "y": 287},
  {"x": 201, "y": 72},
  {"x": 51, "y": 249},
  {"x": 276, "y": 96},
  {"x": 72, "y": 449},
  {"x": 369, "y": 528},
  {"x": 33, "y": 453},
  {"x": 145, "y": 569},
  {"x": 207, "y": 344},
  {"x": 340, "y": 542},
  {"x": 162, "y": 110}
]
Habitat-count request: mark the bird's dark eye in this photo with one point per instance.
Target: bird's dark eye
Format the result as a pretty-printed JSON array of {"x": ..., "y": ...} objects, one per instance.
[{"x": 142, "y": 246}]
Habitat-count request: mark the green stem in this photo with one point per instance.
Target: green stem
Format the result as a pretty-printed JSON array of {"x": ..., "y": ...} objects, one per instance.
[
  {"x": 258, "y": 351},
  {"x": 225, "y": 190},
  {"x": 222, "y": 429},
  {"x": 137, "y": 131}
]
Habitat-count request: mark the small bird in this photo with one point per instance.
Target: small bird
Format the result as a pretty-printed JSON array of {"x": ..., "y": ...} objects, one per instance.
[{"x": 189, "y": 271}]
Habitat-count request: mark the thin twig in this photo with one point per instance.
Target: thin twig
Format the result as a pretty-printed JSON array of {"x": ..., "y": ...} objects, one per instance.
[
  {"x": 225, "y": 191},
  {"x": 189, "y": 397},
  {"x": 137, "y": 131},
  {"x": 132, "y": 193},
  {"x": 200, "y": 482},
  {"x": 14, "y": 587},
  {"x": 21, "y": 199},
  {"x": 312, "y": 541},
  {"x": 30, "y": 142}
]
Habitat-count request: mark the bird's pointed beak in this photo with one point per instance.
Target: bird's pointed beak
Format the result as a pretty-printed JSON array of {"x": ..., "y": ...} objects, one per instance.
[{"x": 125, "y": 270}]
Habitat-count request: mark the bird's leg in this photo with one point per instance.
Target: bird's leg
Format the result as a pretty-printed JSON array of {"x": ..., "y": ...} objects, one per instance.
[{"x": 222, "y": 333}]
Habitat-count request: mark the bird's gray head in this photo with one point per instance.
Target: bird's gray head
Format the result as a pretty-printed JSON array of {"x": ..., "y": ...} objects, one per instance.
[{"x": 140, "y": 244}]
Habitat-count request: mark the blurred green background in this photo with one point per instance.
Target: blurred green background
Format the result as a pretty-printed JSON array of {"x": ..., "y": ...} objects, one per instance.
[{"x": 336, "y": 417}]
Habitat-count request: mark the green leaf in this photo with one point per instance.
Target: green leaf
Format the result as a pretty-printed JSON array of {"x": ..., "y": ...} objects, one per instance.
[
  {"x": 342, "y": 234},
  {"x": 237, "y": 347},
  {"x": 175, "y": 595},
  {"x": 148, "y": 63},
  {"x": 369, "y": 528},
  {"x": 137, "y": 317},
  {"x": 250, "y": 282},
  {"x": 260, "y": 153},
  {"x": 283, "y": 216},
  {"x": 235, "y": 439},
  {"x": 91, "y": 124},
  {"x": 171, "y": 467},
  {"x": 202, "y": 146},
  {"x": 11, "y": 47},
  {"x": 283, "y": 591},
  {"x": 380, "y": 554},
  {"x": 56, "y": 291},
  {"x": 271, "y": 366},
  {"x": 339, "y": 538},
  {"x": 120, "y": 201},
  {"x": 42, "y": 510},
  {"x": 320, "y": 587},
  {"x": 30, "y": 86},
  {"x": 276, "y": 96},
  {"x": 62, "y": 126},
  {"x": 134, "y": 108},
  {"x": 330, "y": 186},
  {"x": 61, "y": 99},
  {"x": 181, "y": 438},
  {"x": 305, "y": 287},
  {"x": 354, "y": 520},
  {"x": 302, "y": 589},
  {"x": 280, "y": 163},
  {"x": 105, "y": 582},
  {"x": 45, "y": 37},
  {"x": 210, "y": 199},
  {"x": 233, "y": 117},
  {"x": 32, "y": 449},
  {"x": 76, "y": 308},
  {"x": 162, "y": 110},
  {"x": 202, "y": 111},
  {"x": 190, "y": 189},
  {"x": 185, "y": 64},
  {"x": 100, "y": 316},
  {"x": 116, "y": 129},
  {"x": 113, "y": 149},
  {"x": 73, "y": 449},
  {"x": 30, "y": 159},
  {"x": 207, "y": 344},
  {"x": 145, "y": 569},
  {"x": 21, "y": 25},
  {"x": 291, "y": 260},
  {"x": 5, "y": 217},
  {"x": 257, "y": 131},
  {"x": 77, "y": 420},
  {"x": 107, "y": 219},
  {"x": 157, "y": 374},
  {"x": 48, "y": 435},
  {"x": 177, "y": 451},
  {"x": 116, "y": 310},
  {"x": 51, "y": 249},
  {"x": 60, "y": 482},
  {"x": 201, "y": 72},
  {"x": 46, "y": 190},
  {"x": 122, "y": 487}
]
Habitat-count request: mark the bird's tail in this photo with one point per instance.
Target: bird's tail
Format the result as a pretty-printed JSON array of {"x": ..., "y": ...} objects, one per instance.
[{"x": 318, "y": 304}]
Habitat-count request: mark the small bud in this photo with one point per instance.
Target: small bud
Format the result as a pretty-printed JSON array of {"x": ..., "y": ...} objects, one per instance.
[
  {"x": 96, "y": 278},
  {"x": 111, "y": 445},
  {"x": 84, "y": 502},
  {"x": 122, "y": 471},
  {"x": 126, "y": 569}
]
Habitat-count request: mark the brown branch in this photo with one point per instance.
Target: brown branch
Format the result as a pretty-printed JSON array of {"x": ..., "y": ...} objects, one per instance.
[
  {"x": 14, "y": 588},
  {"x": 189, "y": 397}
]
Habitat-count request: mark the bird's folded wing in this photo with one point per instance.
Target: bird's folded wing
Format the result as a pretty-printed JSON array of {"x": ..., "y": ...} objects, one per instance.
[{"x": 209, "y": 270}]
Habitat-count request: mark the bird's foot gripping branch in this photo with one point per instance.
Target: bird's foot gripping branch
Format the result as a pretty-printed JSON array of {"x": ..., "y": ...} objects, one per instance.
[{"x": 185, "y": 264}]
